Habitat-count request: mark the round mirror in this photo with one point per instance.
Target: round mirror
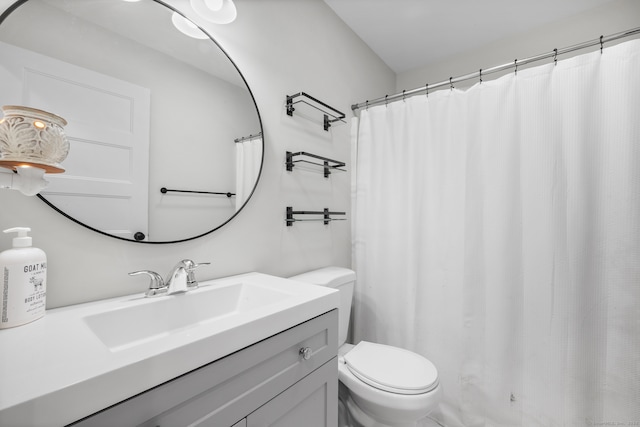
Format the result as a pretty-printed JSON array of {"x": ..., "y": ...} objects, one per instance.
[{"x": 166, "y": 138}]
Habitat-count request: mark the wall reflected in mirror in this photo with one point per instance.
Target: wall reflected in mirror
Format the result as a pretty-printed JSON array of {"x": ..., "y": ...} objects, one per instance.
[{"x": 147, "y": 107}]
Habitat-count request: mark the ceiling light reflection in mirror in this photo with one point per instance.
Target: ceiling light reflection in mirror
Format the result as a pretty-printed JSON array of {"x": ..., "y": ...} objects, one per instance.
[
  {"x": 216, "y": 11},
  {"x": 187, "y": 27}
]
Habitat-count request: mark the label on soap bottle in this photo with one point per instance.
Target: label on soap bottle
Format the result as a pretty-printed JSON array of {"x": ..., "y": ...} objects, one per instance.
[{"x": 24, "y": 291}]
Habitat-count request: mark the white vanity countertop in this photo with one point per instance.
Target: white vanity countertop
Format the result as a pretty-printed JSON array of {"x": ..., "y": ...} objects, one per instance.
[{"x": 55, "y": 370}]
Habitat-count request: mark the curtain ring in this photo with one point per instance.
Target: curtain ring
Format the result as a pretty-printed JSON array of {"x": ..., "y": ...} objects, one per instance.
[
  {"x": 480, "y": 73},
  {"x": 451, "y": 82},
  {"x": 366, "y": 103},
  {"x": 515, "y": 64},
  {"x": 386, "y": 101},
  {"x": 427, "y": 87},
  {"x": 601, "y": 43},
  {"x": 403, "y": 97},
  {"x": 555, "y": 56}
]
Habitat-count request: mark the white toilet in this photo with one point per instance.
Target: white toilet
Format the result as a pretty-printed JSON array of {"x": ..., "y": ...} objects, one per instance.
[{"x": 384, "y": 385}]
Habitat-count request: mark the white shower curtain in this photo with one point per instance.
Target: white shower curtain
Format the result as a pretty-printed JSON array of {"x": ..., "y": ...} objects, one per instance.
[
  {"x": 497, "y": 233},
  {"x": 248, "y": 161}
]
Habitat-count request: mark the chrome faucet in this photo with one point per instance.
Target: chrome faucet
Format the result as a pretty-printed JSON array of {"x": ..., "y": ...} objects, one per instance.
[
  {"x": 180, "y": 279},
  {"x": 183, "y": 278}
]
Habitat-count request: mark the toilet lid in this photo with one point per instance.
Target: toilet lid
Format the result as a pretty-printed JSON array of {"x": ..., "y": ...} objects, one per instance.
[{"x": 391, "y": 369}]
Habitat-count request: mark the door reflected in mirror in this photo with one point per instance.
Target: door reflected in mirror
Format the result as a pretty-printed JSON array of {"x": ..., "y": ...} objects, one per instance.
[{"x": 147, "y": 107}]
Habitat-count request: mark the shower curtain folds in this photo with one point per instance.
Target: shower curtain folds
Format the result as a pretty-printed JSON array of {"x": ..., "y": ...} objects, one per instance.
[
  {"x": 509, "y": 254},
  {"x": 248, "y": 163}
]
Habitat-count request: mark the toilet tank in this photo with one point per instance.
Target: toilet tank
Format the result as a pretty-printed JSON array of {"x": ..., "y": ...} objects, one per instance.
[{"x": 341, "y": 279}]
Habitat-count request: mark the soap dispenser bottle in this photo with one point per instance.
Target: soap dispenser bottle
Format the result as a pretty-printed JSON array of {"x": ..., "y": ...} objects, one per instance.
[{"x": 23, "y": 288}]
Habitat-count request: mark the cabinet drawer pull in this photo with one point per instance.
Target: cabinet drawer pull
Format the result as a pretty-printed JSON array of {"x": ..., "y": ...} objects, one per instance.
[{"x": 306, "y": 353}]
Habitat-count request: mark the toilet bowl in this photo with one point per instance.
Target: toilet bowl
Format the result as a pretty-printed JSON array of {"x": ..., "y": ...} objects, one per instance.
[
  {"x": 388, "y": 385},
  {"x": 382, "y": 385}
]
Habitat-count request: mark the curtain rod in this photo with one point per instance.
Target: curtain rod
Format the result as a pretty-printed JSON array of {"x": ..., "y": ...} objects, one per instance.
[
  {"x": 247, "y": 138},
  {"x": 478, "y": 74}
]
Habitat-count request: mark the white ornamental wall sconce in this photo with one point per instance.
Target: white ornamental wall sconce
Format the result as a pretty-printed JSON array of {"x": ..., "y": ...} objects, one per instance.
[{"x": 32, "y": 143}]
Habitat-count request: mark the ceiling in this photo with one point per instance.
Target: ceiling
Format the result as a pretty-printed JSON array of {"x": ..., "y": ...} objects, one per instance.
[{"x": 409, "y": 34}]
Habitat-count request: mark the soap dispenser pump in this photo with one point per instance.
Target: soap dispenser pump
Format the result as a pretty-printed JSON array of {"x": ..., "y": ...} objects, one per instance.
[{"x": 23, "y": 270}]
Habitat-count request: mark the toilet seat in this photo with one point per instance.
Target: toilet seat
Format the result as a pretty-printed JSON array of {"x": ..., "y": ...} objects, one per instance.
[{"x": 391, "y": 369}]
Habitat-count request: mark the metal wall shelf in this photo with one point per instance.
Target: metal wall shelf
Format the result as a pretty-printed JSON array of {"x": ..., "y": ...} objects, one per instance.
[
  {"x": 326, "y": 216},
  {"x": 327, "y": 164},
  {"x": 330, "y": 114}
]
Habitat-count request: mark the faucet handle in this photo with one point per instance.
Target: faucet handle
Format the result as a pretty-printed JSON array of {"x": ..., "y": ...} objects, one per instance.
[
  {"x": 191, "y": 266},
  {"x": 156, "y": 285}
]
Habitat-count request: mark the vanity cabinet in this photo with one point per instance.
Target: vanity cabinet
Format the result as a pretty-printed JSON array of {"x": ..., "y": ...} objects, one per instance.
[{"x": 287, "y": 380}]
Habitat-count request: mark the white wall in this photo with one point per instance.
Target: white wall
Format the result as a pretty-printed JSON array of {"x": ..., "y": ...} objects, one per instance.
[
  {"x": 609, "y": 19},
  {"x": 282, "y": 47}
]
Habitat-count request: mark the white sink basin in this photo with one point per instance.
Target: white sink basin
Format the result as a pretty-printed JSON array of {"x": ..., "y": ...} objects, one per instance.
[
  {"x": 163, "y": 316},
  {"x": 126, "y": 345}
]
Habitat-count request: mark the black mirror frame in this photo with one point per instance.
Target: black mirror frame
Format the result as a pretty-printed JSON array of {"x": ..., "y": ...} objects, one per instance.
[{"x": 19, "y": 3}]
